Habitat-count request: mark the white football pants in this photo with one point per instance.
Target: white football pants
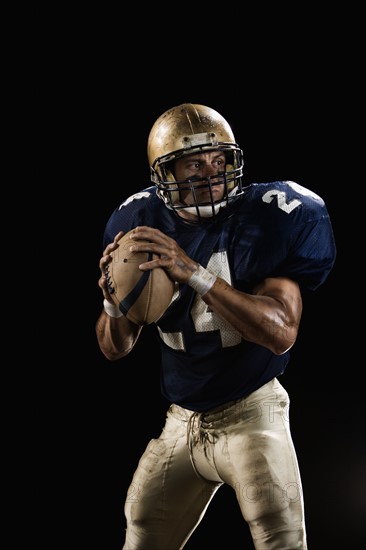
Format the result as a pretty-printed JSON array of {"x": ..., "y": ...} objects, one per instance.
[{"x": 246, "y": 444}]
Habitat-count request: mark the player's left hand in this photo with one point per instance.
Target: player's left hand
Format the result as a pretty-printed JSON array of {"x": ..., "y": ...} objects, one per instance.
[{"x": 172, "y": 258}]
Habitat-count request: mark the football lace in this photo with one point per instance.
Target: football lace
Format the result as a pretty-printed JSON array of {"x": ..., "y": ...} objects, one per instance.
[{"x": 108, "y": 277}]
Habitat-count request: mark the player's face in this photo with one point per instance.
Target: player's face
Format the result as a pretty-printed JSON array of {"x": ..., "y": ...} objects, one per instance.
[{"x": 196, "y": 166}]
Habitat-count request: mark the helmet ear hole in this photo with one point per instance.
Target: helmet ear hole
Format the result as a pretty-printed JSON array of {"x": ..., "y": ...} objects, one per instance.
[
  {"x": 231, "y": 179},
  {"x": 170, "y": 175},
  {"x": 173, "y": 189}
]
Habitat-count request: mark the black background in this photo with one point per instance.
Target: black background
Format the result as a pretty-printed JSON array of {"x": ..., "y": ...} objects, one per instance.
[{"x": 293, "y": 115}]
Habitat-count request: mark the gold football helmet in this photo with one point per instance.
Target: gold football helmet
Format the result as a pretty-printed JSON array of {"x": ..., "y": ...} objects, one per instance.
[{"x": 187, "y": 129}]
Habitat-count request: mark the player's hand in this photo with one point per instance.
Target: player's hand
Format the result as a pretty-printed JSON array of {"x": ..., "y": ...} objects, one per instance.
[
  {"x": 172, "y": 258},
  {"x": 103, "y": 262}
]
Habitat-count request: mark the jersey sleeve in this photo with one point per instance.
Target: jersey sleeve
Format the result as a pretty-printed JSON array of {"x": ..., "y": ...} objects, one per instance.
[{"x": 313, "y": 252}]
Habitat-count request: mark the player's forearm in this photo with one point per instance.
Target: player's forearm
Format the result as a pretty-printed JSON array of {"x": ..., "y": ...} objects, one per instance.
[
  {"x": 116, "y": 336},
  {"x": 259, "y": 319}
]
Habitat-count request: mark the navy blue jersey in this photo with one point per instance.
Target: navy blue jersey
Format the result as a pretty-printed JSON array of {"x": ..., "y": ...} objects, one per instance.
[{"x": 274, "y": 229}]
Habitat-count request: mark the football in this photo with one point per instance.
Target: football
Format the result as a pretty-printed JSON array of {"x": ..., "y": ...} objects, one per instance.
[{"x": 142, "y": 296}]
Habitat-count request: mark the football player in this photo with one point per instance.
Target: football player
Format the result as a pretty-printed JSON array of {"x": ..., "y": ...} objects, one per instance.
[{"x": 241, "y": 257}]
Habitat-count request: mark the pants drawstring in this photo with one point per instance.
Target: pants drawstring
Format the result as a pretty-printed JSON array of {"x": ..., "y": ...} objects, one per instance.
[{"x": 197, "y": 434}]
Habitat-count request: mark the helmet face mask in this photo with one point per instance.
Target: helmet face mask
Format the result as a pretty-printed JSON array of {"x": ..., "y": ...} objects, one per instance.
[{"x": 186, "y": 130}]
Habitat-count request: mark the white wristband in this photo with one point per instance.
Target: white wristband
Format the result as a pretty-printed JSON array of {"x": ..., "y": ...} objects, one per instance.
[
  {"x": 201, "y": 280},
  {"x": 111, "y": 309}
]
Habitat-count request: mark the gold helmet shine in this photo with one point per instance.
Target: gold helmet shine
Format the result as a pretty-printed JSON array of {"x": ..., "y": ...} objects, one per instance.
[{"x": 184, "y": 130}]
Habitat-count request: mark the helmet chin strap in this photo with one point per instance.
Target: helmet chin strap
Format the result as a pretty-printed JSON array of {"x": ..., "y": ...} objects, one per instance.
[
  {"x": 209, "y": 210},
  {"x": 205, "y": 211}
]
